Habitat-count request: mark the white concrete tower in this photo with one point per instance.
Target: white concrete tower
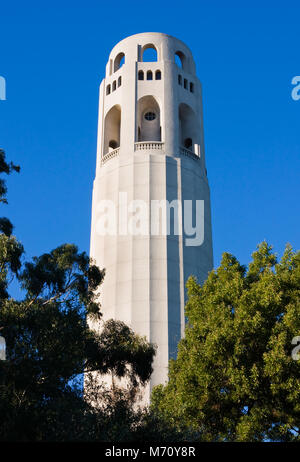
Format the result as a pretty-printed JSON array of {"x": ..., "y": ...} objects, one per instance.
[{"x": 150, "y": 148}]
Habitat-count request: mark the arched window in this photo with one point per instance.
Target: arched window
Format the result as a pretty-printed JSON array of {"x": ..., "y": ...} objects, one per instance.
[
  {"x": 149, "y": 53},
  {"x": 119, "y": 61},
  {"x": 108, "y": 89},
  {"x": 191, "y": 87},
  {"x": 112, "y": 129},
  {"x": 119, "y": 81},
  {"x": 148, "y": 119},
  {"x": 179, "y": 79},
  {"x": 149, "y": 75},
  {"x": 157, "y": 75},
  {"x": 141, "y": 75},
  {"x": 189, "y": 129},
  {"x": 188, "y": 143},
  {"x": 114, "y": 85},
  {"x": 185, "y": 83},
  {"x": 180, "y": 59}
]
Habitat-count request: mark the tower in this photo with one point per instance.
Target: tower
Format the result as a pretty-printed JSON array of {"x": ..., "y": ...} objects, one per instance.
[{"x": 150, "y": 171}]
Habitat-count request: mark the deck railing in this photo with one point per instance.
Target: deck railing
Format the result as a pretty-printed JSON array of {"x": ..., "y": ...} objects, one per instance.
[
  {"x": 110, "y": 155},
  {"x": 188, "y": 153},
  {"x": 148, "y": 145}
]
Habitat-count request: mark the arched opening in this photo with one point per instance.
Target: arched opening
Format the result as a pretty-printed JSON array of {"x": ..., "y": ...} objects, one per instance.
[
  {"x": 112, "y": 145},
  {"x": 157, "y": 75},
  {"x": 148, "y": 120},
  {"x": 191, "y": 87},
  {"x": 141, "y": 75},
  {"x": 149, "y": 75},
  {"x": 149, "y": 53},
  {"x": 188, "y": 143},
  {"x": 112, "y": 129},
  {"x": 114, "y": 85},
  {"x": 108, "y": 89},
  {"x": 179, "y": 79},
  {"x": 185, "y": 83},
  {"x": 119, "y": 61},
  {"x": 189, "y": 130},
  {"x": 180, "y": 59},
  {"x": 119, "y": 81}
]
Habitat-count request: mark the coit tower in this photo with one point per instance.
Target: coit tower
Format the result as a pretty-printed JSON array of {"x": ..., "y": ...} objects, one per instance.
[{"x": 151, "y": 220}]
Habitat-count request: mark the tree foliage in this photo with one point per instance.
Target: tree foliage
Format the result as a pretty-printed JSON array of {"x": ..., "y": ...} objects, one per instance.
[
  {"x": 5, "y": 167},
  {"x": 234, "y": 378},
  {"x": 49, "y": 344}
]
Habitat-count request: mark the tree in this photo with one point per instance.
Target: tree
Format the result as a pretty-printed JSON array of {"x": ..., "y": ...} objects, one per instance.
[
  {"x": 10, "y": 249},
  {"x": 50, "y": 345},
  {"x": 5, "y": 167},
  {"x": 234, "y": 378}
]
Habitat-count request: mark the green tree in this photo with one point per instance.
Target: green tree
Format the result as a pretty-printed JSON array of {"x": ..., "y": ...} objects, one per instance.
[
  {"x": 50, "y": 345},
  {"x": 234, "y": 378},
  {"x": 7, "y": 168},
  {"x": 10, "y": 249}
]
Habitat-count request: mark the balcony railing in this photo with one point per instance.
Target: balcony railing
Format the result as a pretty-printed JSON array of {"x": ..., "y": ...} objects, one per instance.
[
  {"x": 188, "y": 153},
  {"x": 110, "y": 155},
  {"x": 148, "y": 146}
]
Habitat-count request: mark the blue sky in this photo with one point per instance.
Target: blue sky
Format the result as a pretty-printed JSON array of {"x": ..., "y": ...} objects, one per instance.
[{"x": 53, "y": 57}]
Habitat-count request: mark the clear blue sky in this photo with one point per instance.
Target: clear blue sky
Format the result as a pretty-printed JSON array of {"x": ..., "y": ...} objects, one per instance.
[{"x": 53, "y": 56}]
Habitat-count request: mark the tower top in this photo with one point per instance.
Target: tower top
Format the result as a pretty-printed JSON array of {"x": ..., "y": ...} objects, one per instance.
[
  {"x": 150, "y": 101},
  {"x": 154, "y": 35},
  {"x": 166, "y": 46}
]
